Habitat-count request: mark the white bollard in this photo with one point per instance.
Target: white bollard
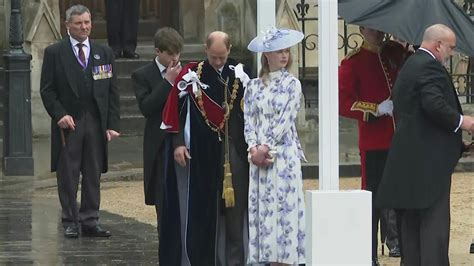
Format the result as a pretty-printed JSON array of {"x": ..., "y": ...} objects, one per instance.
[{"x": 338, "y": 227}]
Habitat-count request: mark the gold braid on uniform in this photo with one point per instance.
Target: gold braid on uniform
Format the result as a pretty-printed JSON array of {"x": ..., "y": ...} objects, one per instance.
[
  {"x": 233, "y": 96},
  {"x": 366, "y": 108}
]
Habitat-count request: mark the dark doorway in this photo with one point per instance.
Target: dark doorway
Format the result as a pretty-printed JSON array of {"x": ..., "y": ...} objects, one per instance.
[{"x": 153, "y": 14}]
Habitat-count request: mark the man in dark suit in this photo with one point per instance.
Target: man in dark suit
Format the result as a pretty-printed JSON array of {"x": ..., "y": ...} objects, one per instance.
[
  {"x": 122, "y": 27},
  {"x": 201, "y": 155},
  {"x": 79, "y": 92},
  {"x": 425, "y": 149},
  {"x": 152, "y": 84}
]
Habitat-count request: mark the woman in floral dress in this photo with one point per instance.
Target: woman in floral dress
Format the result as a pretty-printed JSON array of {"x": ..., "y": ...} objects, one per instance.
[{"x": 276, "y": 200}]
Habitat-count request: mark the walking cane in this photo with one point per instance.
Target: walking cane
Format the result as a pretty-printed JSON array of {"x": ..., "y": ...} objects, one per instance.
[{"x": 63, "y": 139}]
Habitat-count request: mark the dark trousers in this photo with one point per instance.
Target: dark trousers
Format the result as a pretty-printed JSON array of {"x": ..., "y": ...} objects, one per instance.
[
  {"x": 122, "y": 24},
  {"x": 235, "y": 218},
  {"x": 83, "y": 154},
  {"x": 374, "y": 167},
  {"x": 425, "y": 234},
  {"x": 388, "y": 228}
]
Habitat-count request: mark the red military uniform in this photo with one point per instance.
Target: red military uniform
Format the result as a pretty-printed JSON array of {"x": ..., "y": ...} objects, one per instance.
[{"x": 366, "y": 77}]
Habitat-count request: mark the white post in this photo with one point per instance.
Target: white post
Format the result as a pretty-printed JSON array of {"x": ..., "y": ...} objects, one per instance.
[
  {"x": 265, "y": 19},
  {"x": 336, "y": 221},
  {"x": 328, "y": 96}
]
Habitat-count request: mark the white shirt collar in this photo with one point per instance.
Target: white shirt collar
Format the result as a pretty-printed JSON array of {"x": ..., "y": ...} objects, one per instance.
[
  {"x": 428, "y": 51},
  {"x": 74, "y": 42},
  {"x": 160, "y": 66}
]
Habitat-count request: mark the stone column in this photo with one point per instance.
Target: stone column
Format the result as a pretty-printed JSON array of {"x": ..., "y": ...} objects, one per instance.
[
  {"x": 42, "y": 28},
  {"x": 192, "y": 17},
  {"x": 17, "y": 146}
]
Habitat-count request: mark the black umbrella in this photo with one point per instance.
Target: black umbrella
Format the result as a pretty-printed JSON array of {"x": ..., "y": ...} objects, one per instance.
[{"x": 408, "y": 19}]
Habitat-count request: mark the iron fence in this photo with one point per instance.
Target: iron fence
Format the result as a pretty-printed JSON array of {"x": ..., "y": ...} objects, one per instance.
[{"x": 463, "y": 81}]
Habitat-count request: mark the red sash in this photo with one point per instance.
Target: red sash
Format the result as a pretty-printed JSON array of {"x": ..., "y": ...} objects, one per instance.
[{"x": 210, "y": 109}]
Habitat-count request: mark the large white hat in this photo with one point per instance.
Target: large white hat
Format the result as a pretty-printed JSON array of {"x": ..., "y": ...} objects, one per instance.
[{"x": 275, "y": 39}]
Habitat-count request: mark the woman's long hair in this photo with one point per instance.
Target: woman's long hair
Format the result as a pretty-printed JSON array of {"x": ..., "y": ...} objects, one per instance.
[{"x": 263, "y": 74}]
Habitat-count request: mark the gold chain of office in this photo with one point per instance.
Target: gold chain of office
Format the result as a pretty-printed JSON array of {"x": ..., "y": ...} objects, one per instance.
[{"x": 233, "y": 96}]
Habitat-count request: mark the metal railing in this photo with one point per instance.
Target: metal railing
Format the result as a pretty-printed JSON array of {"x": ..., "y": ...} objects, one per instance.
[{"x": 352, "y": 40}]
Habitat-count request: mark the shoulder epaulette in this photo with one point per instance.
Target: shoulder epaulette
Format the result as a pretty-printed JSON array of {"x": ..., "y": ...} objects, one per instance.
[{"x": 352, "y": 53}]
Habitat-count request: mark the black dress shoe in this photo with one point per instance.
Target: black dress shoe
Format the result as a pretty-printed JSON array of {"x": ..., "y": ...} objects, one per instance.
[
  {"x": 71, "y": 231},
  {"x": 130, "y": 55},
  {"x": 394, "y": 252},
  {"x": 95, "y": 231}
]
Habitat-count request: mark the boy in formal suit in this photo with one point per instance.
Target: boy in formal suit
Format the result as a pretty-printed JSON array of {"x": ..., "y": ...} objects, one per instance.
[
  {"x": 152, "y": 84},
  {"x": 79, "y": 92}
]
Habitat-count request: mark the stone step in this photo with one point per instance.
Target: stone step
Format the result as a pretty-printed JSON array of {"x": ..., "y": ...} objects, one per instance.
[
  {"x": 125, "y": 67},
  {"x": 132, "y": 125},
  {"x": 124, "y": 83},
  {"x": 191, "y": 52},
  {"x": 129, "y": 105}
]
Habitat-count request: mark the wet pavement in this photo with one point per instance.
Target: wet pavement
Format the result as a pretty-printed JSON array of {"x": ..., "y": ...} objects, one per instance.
[
  {"x": 31, "y": 233},
  {"x": 30, "y": 228}
]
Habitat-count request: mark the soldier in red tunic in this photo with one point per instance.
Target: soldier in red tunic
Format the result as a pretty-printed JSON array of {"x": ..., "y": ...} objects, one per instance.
[{"x": 366, "y": 77}]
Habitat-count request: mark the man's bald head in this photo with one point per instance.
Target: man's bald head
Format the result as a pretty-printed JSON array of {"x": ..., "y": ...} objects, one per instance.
[
  {"x": 437, "y": 32},
  {"x": 219, "y": 38},
  {"x": 217, "y": 49},
  {"x": 440, "y": 40}
]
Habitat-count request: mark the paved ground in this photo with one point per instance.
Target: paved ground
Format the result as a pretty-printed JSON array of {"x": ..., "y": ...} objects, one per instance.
[{"x": 30, "y": 232}]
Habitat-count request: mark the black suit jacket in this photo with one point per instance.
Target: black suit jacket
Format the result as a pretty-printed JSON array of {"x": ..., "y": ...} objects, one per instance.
[
  {"x": 151, "y": 91},
  {"x": 425, "y": 149},
  {"x": 60, "y": 95}
]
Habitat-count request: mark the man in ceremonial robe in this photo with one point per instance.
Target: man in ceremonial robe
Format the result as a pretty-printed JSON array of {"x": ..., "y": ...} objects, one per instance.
[
  {"x": 366, "y": 78},
  {"x": 198, "y": 153}
]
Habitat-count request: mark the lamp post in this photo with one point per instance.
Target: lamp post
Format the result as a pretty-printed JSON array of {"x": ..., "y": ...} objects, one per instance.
[{"x": 17, "y": 146}]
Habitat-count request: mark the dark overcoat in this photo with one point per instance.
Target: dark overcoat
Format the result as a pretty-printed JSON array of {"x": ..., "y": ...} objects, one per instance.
[
  {"x": 426, "y": 146},
  {"x": 151, "y": 91},
  {"x": 60, "y": 75}
]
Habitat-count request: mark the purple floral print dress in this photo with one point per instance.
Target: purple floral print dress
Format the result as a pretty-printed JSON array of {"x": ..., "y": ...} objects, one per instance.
[{"x": 276, "y": 201}]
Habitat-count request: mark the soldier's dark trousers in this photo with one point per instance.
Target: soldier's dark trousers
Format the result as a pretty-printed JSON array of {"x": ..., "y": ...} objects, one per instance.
[{"x": 374, "y": 166}]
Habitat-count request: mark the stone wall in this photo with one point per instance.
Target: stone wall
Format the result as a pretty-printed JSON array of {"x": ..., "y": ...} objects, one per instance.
[
  {"x": 4, "y": 25},
  {"x": 41, "y": 21}
]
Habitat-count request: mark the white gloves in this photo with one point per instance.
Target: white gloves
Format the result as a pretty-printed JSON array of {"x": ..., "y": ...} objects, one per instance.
[
  {"x": 385, "y": 108},
  {"x": 240, "y": 74}
]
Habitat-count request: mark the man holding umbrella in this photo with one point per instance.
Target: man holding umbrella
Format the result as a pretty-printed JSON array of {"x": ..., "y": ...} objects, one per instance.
[{"x": 366, "y": 78}]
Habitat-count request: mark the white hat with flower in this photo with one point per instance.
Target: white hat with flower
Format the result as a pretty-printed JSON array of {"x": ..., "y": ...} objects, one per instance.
[{"x": 275, "y": 39}]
